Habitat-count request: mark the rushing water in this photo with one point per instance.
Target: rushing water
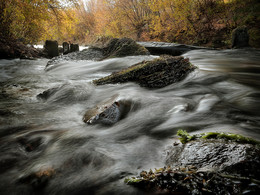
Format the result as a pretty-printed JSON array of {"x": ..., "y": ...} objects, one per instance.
[{"x": 222, "y": 95}]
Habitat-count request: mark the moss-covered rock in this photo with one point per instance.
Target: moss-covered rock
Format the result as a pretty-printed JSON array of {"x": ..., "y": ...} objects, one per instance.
[
  {"x": 208, "y": 163},
  {"x": 123, "y": 47},
  {"x": 157, "y": 73},
  {"x": 231, "y": 153}
]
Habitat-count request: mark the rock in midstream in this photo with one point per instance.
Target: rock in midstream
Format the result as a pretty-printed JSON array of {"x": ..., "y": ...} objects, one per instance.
[
  {"x": 108, "y": 112},
  {"x": 157, "y": 73},
  {"x": 123, "y": 47}
]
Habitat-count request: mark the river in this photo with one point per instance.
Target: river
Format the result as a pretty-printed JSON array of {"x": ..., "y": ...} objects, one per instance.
[{"x": 222, "y": 95}]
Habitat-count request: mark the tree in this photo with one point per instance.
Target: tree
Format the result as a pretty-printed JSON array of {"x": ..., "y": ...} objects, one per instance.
[{"x": 27, "y": 19}]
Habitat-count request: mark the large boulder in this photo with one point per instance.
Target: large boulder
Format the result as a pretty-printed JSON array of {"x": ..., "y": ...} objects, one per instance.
[
  {"x": 51, "y": 48},
  {"x": 240, "y": 37},
  {"x": 229, "y": 153},
  {"x": 157, "y": 73},
  {"x": 208, "y": 163},
  {"x": 123, "y": 47}
]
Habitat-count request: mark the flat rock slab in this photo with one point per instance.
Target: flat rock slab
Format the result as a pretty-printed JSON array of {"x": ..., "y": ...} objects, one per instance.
[
  {"x": 157, "y": 73},
  {"x": 174, "y": 49}
]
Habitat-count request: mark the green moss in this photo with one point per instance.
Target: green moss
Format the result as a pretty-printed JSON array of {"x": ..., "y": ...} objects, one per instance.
[
  {"x": 185, "y": 137},
  {"x": 210, "y": 135},
  {"x": 132, "y": 180}
]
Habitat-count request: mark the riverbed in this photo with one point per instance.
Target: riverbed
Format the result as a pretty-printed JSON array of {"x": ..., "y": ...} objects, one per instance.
[{"x": 221, "y": 95}]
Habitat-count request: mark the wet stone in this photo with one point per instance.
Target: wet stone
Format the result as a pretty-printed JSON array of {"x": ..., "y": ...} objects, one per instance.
[
  {"x": 108, "y": 112},
  {"x": 235, "y": 158},
  {"x": 207, "y": 163}
]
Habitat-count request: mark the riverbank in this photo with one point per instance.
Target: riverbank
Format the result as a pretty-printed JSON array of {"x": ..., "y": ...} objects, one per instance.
[{"x": 11, "y": 48}]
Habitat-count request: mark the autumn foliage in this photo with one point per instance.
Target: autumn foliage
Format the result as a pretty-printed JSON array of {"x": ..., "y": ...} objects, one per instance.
[{"x": 202, "y": 22}]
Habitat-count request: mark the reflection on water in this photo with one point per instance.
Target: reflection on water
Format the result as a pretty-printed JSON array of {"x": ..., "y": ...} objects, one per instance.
[{"x": 36, "y": 135}]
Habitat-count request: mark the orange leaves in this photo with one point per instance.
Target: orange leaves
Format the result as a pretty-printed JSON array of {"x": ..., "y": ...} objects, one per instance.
[{"x": 161, "y": 20}]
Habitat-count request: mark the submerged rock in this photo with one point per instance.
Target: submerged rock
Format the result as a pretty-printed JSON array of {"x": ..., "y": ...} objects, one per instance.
[
  {"x": 30, "y": 144},
  {"x": 86, "y": 54},
  {"x": 209, "y": 163},
  {"x": 38, "y": 180},
  {"x": 48, "y": 93},
  {"x": 66, "y": 93},
  {"x": 157, "y": 73},
  {"x": 108, "y": 112}
]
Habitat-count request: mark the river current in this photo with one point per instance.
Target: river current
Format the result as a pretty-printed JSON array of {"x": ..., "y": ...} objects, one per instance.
[{"x": 221, "y": 95}]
